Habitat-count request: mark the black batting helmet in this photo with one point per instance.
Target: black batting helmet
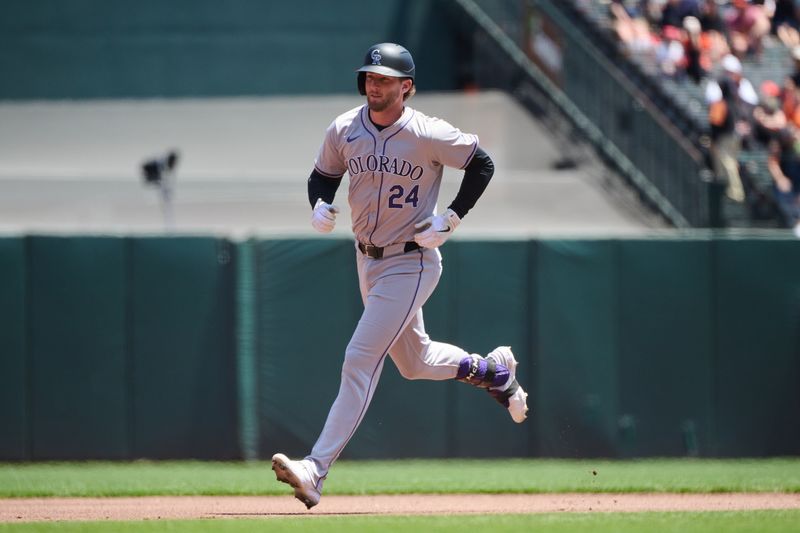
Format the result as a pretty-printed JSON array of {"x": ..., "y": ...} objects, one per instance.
[{"x": 388, "y": 59}]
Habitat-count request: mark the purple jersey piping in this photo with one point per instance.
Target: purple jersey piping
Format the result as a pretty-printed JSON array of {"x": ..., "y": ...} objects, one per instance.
[
  {"x": 380, "y": 189},
  {"x": 471, "y": 154},
  {"x": 374, "y": 149},
  {"x": 326, "y": 174},
  {"x": 380, "y": 361}
]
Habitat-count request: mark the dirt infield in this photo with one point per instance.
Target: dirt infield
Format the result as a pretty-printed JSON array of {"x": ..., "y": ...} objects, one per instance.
[{"x": 188, "y": 507}]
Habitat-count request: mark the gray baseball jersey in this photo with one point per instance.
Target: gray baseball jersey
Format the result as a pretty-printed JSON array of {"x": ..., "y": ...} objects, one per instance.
[{"x": 395, "y": 173}]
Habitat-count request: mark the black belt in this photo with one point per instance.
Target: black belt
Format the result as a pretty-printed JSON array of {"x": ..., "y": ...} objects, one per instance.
[{"x": 378, "y": 252}]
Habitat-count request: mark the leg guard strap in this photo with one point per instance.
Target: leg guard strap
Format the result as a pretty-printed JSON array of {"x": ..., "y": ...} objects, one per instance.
[{"x": 503, "y": 396}]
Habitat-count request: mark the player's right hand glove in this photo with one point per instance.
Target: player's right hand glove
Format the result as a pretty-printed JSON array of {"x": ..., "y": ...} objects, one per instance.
[
  {"x": 324, "y": 217},
  {"x": 435, "y": 230}
]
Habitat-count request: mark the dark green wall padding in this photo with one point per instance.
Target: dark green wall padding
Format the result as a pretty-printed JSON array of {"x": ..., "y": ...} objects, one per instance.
[
  {"x": 185, "y": 48},
  {"x": 757, "y": 337},
  {"x": 665, "y": 329},
  {"x": 77, "y": 348},
  {"x": 183, "y": 366},
  {"x": 577, "y": 348},
  {"x": 14, "y": 372},
  {"x": 199, "y": 347},
  {"x": 117, "y": 348}
]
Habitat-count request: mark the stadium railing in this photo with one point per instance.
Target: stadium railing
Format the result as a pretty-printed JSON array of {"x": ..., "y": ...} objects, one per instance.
[{"x": 632, "y": 126}]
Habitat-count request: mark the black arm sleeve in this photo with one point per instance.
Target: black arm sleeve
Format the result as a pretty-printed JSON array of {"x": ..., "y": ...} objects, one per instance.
[
  {"x": 476, "y": 177},
  {"x": 320, "y": 186}
]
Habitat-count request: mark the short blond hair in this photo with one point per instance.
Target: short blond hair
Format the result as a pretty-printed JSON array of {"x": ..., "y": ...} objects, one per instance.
[{"x": 412, "y": 91}]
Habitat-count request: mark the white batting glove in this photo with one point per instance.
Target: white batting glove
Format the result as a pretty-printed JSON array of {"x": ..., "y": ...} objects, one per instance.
[
  {"x": 435, "y": 230},
  {"x": 324, "y": 217}
]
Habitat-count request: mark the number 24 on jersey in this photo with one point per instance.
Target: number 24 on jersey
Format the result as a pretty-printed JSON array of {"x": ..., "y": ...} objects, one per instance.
[{"x": 398, "y": 198}]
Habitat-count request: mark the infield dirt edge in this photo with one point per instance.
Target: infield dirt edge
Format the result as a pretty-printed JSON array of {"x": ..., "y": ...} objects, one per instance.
[{"x": 231, "y": 507}]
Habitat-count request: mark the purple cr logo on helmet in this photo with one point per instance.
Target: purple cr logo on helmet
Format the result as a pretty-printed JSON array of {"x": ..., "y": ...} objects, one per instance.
[{"x": 387, "y": 59}]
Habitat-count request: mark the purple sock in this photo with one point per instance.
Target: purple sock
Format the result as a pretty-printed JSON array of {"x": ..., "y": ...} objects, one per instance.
[{"x": 474, "y": 370}]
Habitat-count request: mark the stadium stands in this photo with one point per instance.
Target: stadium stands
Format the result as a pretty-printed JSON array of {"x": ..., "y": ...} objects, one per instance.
[
  {"x": 690, "y": 110},
  {"x": 643, "y": 57}
]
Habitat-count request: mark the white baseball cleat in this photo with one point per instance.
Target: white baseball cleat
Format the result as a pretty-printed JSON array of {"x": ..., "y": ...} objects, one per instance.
[
  {"x": 296, "y": 474},
  {"x": 518, "y": 405},
  {"x": 511, "y": 395}
]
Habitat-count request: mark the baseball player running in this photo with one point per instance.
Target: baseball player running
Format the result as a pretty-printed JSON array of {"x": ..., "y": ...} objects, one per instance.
[{"x": 394, "y": 156}]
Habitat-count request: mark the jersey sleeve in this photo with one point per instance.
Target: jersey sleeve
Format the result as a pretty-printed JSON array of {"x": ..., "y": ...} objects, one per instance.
[
  {"x": 329, "y": 161},
  {"x": 450, "y": 146}
]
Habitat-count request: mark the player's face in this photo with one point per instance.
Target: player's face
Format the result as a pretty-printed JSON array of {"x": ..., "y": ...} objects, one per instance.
[{"x": 384, "y": 92}]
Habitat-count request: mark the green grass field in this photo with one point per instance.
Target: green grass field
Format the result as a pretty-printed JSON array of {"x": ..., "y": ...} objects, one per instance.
[
  {"x": 409, "y": 476},
  {"x": 461, "y": 476},
  {"x": 730, "y": 522}
]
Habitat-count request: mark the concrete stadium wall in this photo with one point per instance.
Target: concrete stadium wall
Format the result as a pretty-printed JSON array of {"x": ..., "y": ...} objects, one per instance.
[
  {"x": 51, "y": 49},
  {"x": 195, "y": 347}
]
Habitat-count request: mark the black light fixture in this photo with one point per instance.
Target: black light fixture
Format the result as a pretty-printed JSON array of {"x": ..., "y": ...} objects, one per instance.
[
  {"x": 160, "y": 172},
  {"x": 155, "y": 170}
]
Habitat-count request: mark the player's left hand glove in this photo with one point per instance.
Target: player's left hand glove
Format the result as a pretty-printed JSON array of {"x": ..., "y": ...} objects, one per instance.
[
  {"x": 435, "y": 230},
  {"x": 324, "y": 217}
]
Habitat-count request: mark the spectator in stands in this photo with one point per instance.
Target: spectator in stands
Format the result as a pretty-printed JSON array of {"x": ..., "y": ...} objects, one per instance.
[
  {"x": 711, "y": 19},
  {"x": 790, "y": 101},
  {"x": 782, "y": 12},
  {"x": 786, "y": 22},
  {"x": 670, "y": 53},
  {"x": 698, "y": 62},
  {"x": 632, "y": 8},
  {"x": 746, "y": 96},
  {"x": 631, "y": 27},
  {"x": 747, "y": 27},
  {"x": 795, "y": 74},
  {"x": 790, "y": 98},
  {"x": 676, "y": 10},
  {"x": 784, "y": 166},
  {"x": 714, "y": 35},
  {"x": 768, "y": 116},
  {"x": 731, "y": 99},
  {"x": 652, "y": 10}
]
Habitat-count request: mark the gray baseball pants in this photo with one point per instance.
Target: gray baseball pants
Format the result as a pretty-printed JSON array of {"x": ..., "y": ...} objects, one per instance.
[{"x": 393, "y": 290}]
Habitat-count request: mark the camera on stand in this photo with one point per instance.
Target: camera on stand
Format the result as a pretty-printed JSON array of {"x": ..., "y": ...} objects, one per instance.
[{"x": 160, "y": 172}]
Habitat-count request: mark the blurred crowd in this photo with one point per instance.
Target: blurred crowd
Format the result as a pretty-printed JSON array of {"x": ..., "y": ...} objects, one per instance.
[
  {"x": 708, "y": 42},
  {"x": 690, "y": 37}
]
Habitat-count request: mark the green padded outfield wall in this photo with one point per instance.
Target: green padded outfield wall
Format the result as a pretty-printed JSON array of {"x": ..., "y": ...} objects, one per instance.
[
  {"x": 630, "y": 348},
  {"x": 575, "y": 398},
  {"x": 77, "y": 348},
  {"x": 183, "y": 351},
  {"x": 117, "y": 348},
  {"x": 13, "y": 363},
  {"x": 666, "y": 346},
  {"x": 126, "y": 347},
  {"x": 54, "y": 49},
  {"x": 757, "y": 347}
]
